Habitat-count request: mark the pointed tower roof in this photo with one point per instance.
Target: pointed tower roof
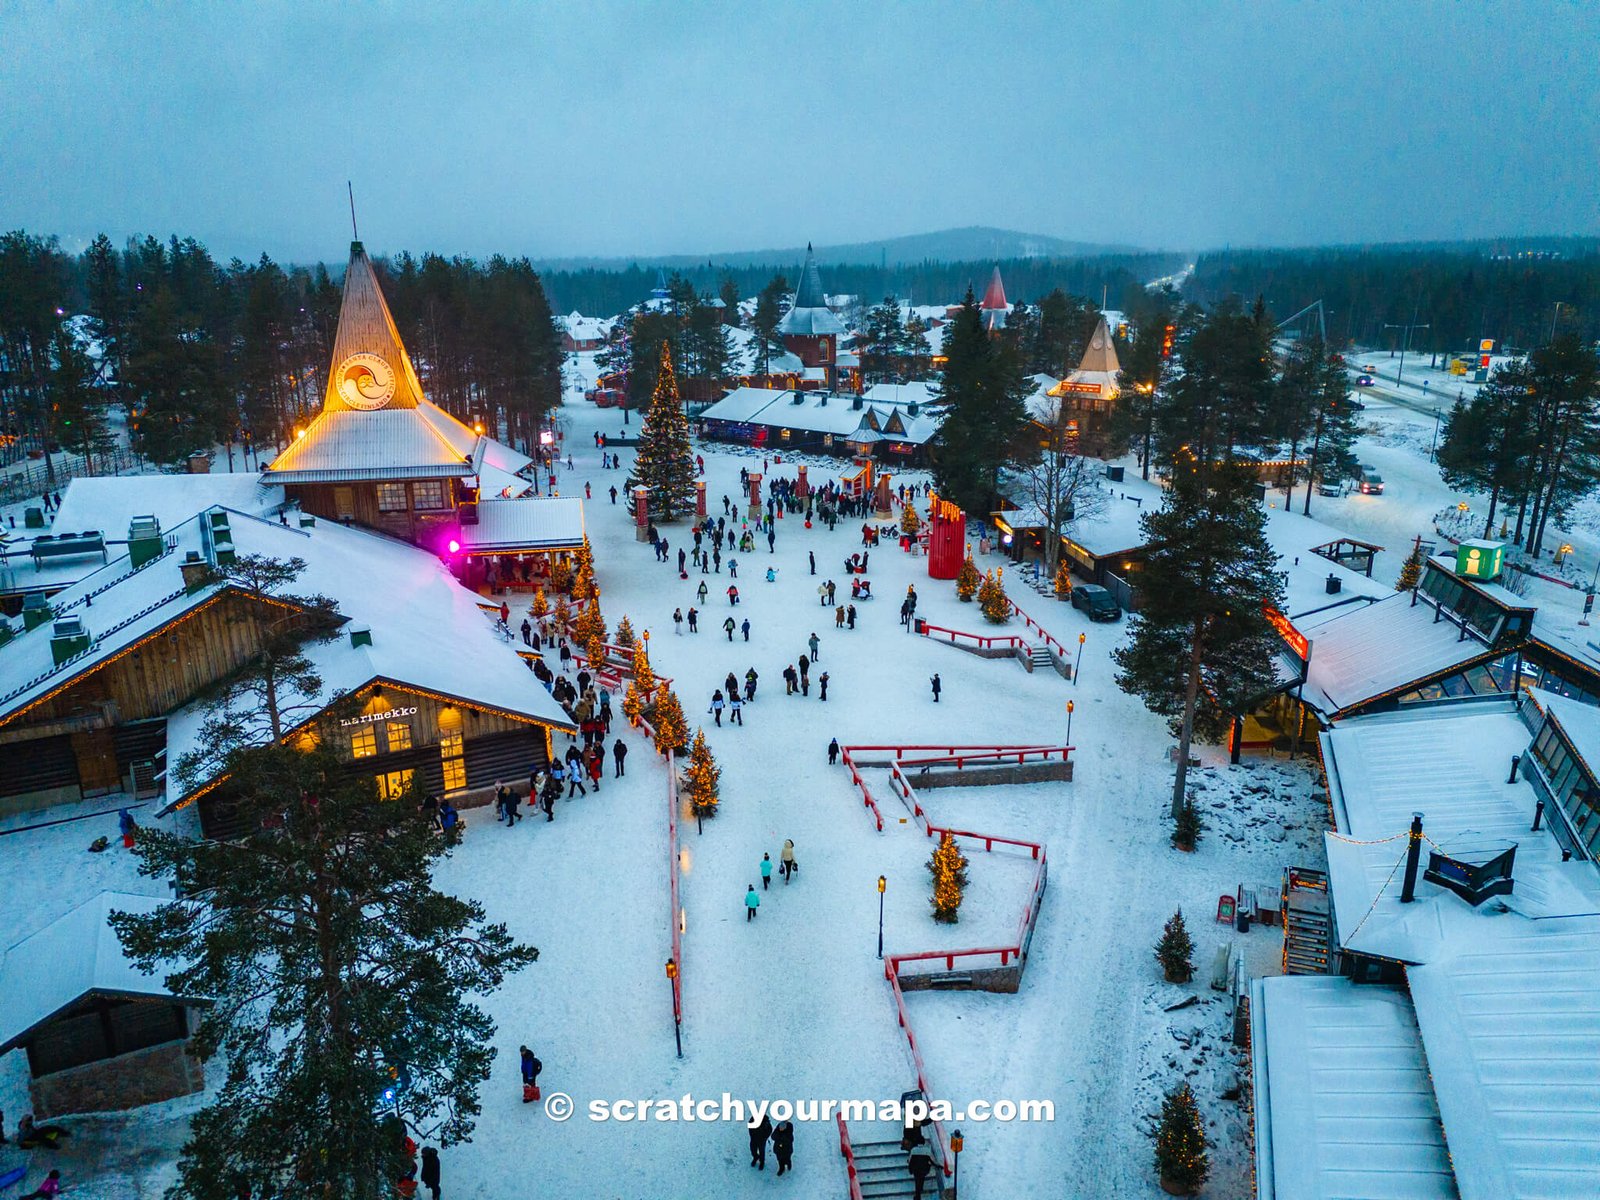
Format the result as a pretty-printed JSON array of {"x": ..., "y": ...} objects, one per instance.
[
  {"x": 1100, "y": 355},
  {"x": 810, "y": 314},
  {"x": 375, "y": 422},
  {"x": 367, "y": 331},
  {"x": 660, "y": 291},
  {"x": 995, "y": 296}
]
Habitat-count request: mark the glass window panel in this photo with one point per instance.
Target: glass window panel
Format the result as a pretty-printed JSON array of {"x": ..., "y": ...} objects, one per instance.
[
  {"x": 363, "y": 742},
  {"x": 391, "y": 497},
  {"x": 399, "y": 735}
]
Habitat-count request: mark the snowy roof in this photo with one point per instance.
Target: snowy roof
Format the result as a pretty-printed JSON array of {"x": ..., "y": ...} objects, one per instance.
[
  {"x": 343, "y": 446},
  {"x": 1507, "y": 994},
  {"x": 1296, "y": 537},
  {"x": 1343, "y": 1103},
  {"x": 76, "y": 955},
  {"x": 1452, "y": 765},
  {"x": 1116, "y": 526},
  {"x": 534, "y": 523},
  {"x": 919, "y": 392},
  {"x": 1360, "y": 655},
  {"x": 994, "y": 296},
  {"x": 367, "y": 331},
  {"x": 810, "y": 314},
  {"x": 824, "y": 412},
  {"x": 1100, "y": 355},
  {"x": 586, "y": 329},
  {"x": 743, "y": 403},
  {"x": 108, "y": 503},
  {"x": 1511, "y": 1025}
]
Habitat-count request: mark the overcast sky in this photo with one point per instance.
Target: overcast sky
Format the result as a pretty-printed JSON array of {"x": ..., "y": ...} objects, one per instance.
[{"x": 586, "y": 127}]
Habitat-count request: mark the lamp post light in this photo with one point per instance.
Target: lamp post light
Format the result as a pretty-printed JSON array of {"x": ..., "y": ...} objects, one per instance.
[
  {"x": 1077, "y": 667},
  {"x": 956, "y": 1143},
  {"x": 883, "y": 885},
  {"x": 677, "y": 1016},
  {"x": 1069, "y": 722}
]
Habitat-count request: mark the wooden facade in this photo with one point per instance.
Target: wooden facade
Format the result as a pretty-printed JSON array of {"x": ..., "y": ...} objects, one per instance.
[{"x": 429, "y": 509}]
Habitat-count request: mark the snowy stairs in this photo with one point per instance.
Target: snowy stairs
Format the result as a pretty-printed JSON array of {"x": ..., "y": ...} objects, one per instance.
[
  {"x": 1307, "y": 933},
  {"x": 1040, "y": 657},
  {"x": 881, "y": 1169}
]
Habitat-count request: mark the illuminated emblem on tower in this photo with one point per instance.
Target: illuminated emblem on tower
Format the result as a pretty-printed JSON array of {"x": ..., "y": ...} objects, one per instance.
[{"x": 365, "y": 382}]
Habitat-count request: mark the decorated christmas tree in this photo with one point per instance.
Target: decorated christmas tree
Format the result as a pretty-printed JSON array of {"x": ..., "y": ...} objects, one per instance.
[
  {"x": 700, "y": 780},
  {"x": 541, "y": 606},
  {"x": 1411, "y": 569},
  {"x": 672, "y": 731},
  {"x": 561, "y": 577},
  {"x": 643, "y": 673},
  {"x": 910, "y": 522},
  {"x": 992, "y": 599},
  {"x": 1181, "y": 1143},
  {"x": 948, "y": 866},
  {"x": 563, "y": 615},
  {"x": 595, "y": 650},
  {"x": 624, "y": 635},
  {"x": 633, "y": 702},
  {"x": 1063, "y": 581},
  {"x": 583, "y": 581},
  {"x": 590, "y": 625},
  {"x": 968, "y": 579},
  {"x": 665, "y": 459},
  {"x": 1175, "y": 950}
]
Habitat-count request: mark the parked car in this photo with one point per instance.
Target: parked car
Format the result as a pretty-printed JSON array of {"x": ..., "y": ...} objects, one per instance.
[
  {"x": 1368, "y": 367},
  {"x": 1371, "y": 482},
  {"x": 1330, "y": 487},
  {"x": 607, "y": 397},
  {"x": 1096, "y": 602},
  {"x": 1363, "y": 380}
]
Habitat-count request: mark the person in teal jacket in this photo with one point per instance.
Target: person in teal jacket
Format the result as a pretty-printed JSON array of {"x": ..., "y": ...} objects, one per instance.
[
  {"x": 766, "y": 871},
  {"x": 752, "y": 901}
]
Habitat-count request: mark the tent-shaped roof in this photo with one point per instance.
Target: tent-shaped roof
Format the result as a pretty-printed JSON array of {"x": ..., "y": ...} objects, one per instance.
[
  {"x": 375, "y": 422},
  {"x": 810, "y": 314},
  {"x": 76, "y": 955},
  {"x": 993, "y": 307}
]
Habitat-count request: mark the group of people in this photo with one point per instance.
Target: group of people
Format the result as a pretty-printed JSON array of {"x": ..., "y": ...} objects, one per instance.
[
  {"x": 31, "y": 1136},
  {"x": 781, "y": 1136},
  {"x": 787, "y": 867}
]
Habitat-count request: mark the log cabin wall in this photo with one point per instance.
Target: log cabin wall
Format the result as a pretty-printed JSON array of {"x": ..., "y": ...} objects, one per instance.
[{"x": 359, "y": 504}]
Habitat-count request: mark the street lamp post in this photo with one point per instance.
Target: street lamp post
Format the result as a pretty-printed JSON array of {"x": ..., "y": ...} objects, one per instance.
[
  {"x": 883, "y": 885},
  {"x": 1400, "y": 371},
  {"x": 677, "y": 1014},
  {"x": 1069, "y": 722},
  {"x": 1078, "y": 666},
  {"x": 956, "y": 1143}
]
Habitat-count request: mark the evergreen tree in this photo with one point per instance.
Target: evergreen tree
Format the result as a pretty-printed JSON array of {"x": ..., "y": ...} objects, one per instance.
[
  {"x": 700, "y": 780},
  {"x": 650, "y": 335},
  {"x": 992, "y": 599},
  {"x": 1217, "y": 405},
  {"x": 1181, "y": 1158},
  {"x": 665, "y": 459},
  {"x": 333, "y": 968},
  {"x": 1208, "y": 574},
  {"x": 1565, "y": 461},
  {"x": 728, "y": 293},
  {"x": 1411, "y": 569},
  {"x": 1021, "y": 333},
  {"x": 33, "y": 293},
  {"x": 1334, "y": 428},
  {"x": 948, "y": 866},
  {"x": 277, "y": 688},
  {"x": 968, "y": 579},
  {"x": 672, "y": 731},
  {"x": 1486, "y": 443},
  {"x": 887, "y": 350},
  {"x": 1187, "y": 826},
  {"x": 1175, "y": 950},
  {"x": 625, "y": 636},
  {"x": 764, "y": 321},
  {"x": 1065, "y": 325},
  {"x": 108, "y": 306},
  {"x": 1144, "y": 361},
  {"x": 984, "y": 393},
  {"x": 77, "y": 402}
]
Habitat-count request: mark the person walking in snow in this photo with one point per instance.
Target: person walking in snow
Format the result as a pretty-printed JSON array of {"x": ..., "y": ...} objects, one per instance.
[
  {"x": 850, "y": 616},
  {"x": 728, "y": 627},
  {"x": 512, "y": 800},
  {"x": 575, "y": 774},
  {"x": 527, "y": 632},
  {"x": 814, "y": 643},
  {"x": 752, "y": 901},
  {"x": 830, "y": 591},
  {"x": 782, "y": 1147},
  {"x": 548, "y": 795},
  {"x": 838, "y": 618},
  {"x": 702, "y": 591},
  {"x": 730, "y": 685},
  {"x": 805, "y": 676},
  {"x": 717, "y": 705},
  {"x": 920, "y": 1162},
  {"x": 822, "y": 594},
  {"x": 812, "y": 555},
  {"x": 733, "y": 596},
  {"x": 677, "y": 621},
  {"x": 833, "y": 751},
  {"x": 758, "y": 1143},
  {"x": 694, "y": 619},
  {"x": 937, "y": 687},
  {"x": 766, "y": 871},
  {"x": 786, "y": 861},
  {"x": 750, "y": 680},
  {"x": 430, "y": 1167},
  {"x": 822, "y": 683},
  {"x": 619, "y": 752},
  {"x": 745, "y": 628},
  {"x": 772, "y": 574},
  {"x": 735, "y": 709},
  {"x": 733, "y": 568},
  {"x": 531, "y": 1067},
  {"x": 791, "y": 681}
]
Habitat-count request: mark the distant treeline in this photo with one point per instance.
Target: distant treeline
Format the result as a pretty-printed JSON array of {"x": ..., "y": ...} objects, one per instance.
[
  {"x": 1461, "y": 294},
  {"x": 596, "y": 292}
]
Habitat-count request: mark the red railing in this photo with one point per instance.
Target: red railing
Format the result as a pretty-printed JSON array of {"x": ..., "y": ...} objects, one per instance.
[
  {"x": 849, "y": 1159},
  {"x": 1038, "y": 628},
  {"x": 1009, "y": 641},
  {"x": 1007, "y": 955}
]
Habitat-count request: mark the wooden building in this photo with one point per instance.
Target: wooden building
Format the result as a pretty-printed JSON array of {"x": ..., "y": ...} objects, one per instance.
[{"x": 810, "y": 330}]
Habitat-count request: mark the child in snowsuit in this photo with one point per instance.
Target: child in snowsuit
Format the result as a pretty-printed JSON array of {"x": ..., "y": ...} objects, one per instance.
[{"x": 751, "y": 903}]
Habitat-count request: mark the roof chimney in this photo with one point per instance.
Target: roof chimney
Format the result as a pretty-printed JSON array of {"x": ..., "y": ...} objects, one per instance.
[{"x": 1408, "y": 891}]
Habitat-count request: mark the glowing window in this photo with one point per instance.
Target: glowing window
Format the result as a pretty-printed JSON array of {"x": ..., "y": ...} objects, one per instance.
[
  {"x": 392, "y": 785},
  {"x": 391, "y": 497},
  {"x": 399, "y": 736},
  {"x": 363, "y": 742}
]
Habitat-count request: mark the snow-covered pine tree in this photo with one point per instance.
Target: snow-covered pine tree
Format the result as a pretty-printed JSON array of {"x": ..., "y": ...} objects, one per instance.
[
  {"x": 1181, "y": 1158},
  {"x": 700, "y": 780},
  {"x": 1175, "y": 950},
  {"x": 322, "y": 851},
  {"x": 665, "y": 459},
  {"x": 948, "y": 866}
]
